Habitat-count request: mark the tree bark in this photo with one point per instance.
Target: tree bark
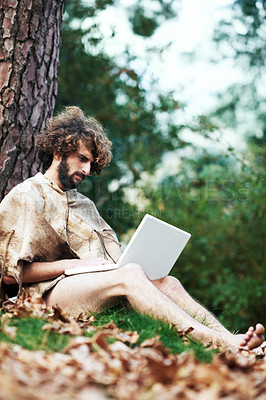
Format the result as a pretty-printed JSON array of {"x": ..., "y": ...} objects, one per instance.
[{"x": 30, "y": 33}]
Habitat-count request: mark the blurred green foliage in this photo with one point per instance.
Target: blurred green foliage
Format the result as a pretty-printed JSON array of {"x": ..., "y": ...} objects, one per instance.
[
  {"x": 241, "y": 36},
  {"x": 145, "y": 21},
  {"x": 222, "y": 204},
  {"x": 114, "y": 93},
  {"x": 215, "y": 196}
]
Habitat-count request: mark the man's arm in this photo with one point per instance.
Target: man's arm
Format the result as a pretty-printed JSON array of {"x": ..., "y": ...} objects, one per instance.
[{"x": 43, "y": 271}]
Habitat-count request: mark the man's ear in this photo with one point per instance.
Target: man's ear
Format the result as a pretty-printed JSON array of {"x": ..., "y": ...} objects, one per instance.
[{"x": 56, "y": 156}]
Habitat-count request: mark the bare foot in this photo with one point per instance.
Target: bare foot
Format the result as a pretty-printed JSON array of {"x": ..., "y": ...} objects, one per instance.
[
  {"x": 253, "y": 338},
  {"x": 251, "y": 341}
]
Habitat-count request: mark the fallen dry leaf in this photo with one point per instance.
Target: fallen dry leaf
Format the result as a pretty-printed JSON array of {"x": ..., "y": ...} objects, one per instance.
[
  {"x": 94, "y": 369},
  {"x": 9, "y": 331}
]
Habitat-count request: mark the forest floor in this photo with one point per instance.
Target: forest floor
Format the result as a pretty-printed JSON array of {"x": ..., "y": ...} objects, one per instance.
[{"x": 118, "y": 354}]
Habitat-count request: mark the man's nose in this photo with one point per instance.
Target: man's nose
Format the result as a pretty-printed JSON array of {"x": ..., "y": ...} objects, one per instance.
[{"x": 86, "y": 169}]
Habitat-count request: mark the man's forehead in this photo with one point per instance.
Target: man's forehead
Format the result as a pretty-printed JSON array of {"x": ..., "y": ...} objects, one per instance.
[{"x": 85, "y": 150}]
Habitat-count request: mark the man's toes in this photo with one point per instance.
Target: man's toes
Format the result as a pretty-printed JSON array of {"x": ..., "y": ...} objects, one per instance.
[
  {"x": 250, "y": 330},
  {"x": 253, "y": 337},
  {"x": 255, "y": 341},
  {"x": 243, "y": 343},
  {"x": 247, "y": 337},
  {"x": 259, "y": 330}
]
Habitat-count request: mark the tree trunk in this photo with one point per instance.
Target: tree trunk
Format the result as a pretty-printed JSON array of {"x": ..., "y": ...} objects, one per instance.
[{"x": 29, "y": 55}]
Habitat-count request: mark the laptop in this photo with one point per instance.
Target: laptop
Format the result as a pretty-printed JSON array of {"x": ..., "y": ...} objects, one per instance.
[{"x": 155, "y": 245}]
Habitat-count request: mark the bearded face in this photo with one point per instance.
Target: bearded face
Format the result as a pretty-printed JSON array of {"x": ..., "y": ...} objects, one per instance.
[{"x": 69, "y": 180}]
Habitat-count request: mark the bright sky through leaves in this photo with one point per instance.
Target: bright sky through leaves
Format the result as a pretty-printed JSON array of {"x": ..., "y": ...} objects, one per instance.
[{"x": 195, "y": 82}]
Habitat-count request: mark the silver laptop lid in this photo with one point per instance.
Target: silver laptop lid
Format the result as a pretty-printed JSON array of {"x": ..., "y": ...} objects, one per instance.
[{"x": 155, "y": 246}]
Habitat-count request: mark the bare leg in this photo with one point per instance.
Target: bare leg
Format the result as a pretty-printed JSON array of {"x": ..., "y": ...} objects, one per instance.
[
  {"x": 176, "y": 292},
  {"x": 93, "y": 292}
]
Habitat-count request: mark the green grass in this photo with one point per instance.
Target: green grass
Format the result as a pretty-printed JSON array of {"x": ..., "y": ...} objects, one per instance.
[
  {"x": 31, "y": 336},
  {"x": 147, "y": 327}
]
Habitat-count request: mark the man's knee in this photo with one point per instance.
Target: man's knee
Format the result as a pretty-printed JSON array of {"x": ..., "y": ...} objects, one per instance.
[
  {"x": 168, "y": 282},
  {"x": 132, "y": 274},
  {"x": 133, "y": 269}
]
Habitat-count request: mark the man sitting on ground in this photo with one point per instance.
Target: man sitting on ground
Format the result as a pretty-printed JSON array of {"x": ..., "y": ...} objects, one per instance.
[{"x": 46, "y": 226}]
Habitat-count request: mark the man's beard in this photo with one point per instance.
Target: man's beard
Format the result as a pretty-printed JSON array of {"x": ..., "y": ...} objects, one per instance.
[{"x": 65, "y": 178}]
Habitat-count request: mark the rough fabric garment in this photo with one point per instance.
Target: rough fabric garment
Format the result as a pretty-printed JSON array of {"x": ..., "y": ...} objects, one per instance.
[{"x": 41, "y": 222}]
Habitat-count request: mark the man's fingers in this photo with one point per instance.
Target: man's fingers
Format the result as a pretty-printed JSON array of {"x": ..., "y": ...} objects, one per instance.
[{"x": 100, "y": 261}]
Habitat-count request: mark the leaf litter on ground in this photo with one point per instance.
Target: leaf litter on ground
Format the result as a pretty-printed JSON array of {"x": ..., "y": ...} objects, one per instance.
[{"x": 103, "y": 362}]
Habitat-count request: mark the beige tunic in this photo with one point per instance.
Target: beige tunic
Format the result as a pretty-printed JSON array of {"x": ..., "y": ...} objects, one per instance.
[{"x": 41, "y": 222}]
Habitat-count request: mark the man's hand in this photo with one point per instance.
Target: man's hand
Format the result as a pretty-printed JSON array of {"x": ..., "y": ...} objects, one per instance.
[
  {"x": 90, "y": 265},
  {"x": 91, "y": 262}
]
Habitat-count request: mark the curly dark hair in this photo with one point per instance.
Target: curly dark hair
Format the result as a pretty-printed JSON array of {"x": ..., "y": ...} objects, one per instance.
[{"x": 63, "y": 134}]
